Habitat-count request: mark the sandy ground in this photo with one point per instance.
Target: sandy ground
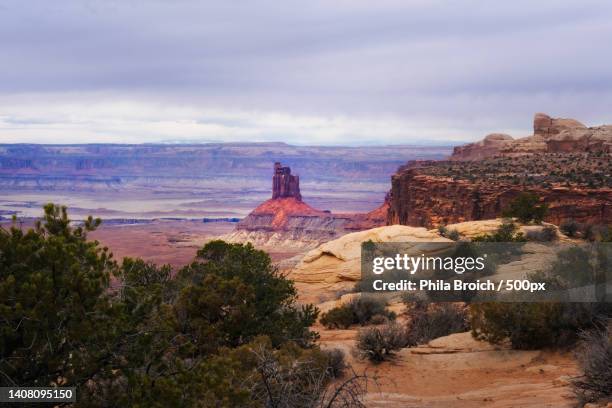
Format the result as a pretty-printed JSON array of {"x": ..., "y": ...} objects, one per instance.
[
  {"x": 173, "y": 242},
  {"x": 160, "y": 241},
  {"x": 458, "y": 371}
]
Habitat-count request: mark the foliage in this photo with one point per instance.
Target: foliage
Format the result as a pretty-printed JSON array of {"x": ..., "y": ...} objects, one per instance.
[
  {"x": 150, "y": 339},
  {"x": 452, "y": 234},
  {"x": 595, "y": 232},
  {"x": 547, "y": 233},
  {"x": 534, "y": 325},
  {"x": 526, "y": 207},
  {"x": 437, "y": 320},
  {"x": 360, "y": 310},
  {"x": 570, "y": 228},
  {"x": 336, "y": 364},
  {"x": 292, "y": 377},
  {"x": 55, "y": 312},
  {"x": 596, "y": 363},
  {"x": 414, "y": 301},
  {"x": 340, "y": 317},
  {"x": 367, "y": 306},
  {"x": 379, "y": 343},
  {"x": 506, "y": 232}
]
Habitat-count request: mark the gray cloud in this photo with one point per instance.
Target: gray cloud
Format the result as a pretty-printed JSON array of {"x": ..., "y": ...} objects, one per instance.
[{"x": 442, "y": 70}]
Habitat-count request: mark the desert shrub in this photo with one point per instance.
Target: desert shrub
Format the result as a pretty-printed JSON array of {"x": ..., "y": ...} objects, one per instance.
[
  {"x": 507, "y": 232},
  {"x": 336, "y": 363},
  {"x": 453, "y": 234},
  {"x": 595, "y": 361},
  {"x": 436, "y": 321},
  {"x": 535, "y": 325},
  {"x": 526, "y": 207},
  {"x": 594, "y": 232},
  {"x": 293, "y": 377},
  {"x": 569, "y": 228},
  {"x": 366, "y": 307},
  {"x": 450, "y": 234},
  {"x": 379, "y": 343},
  {"x": 340, "y": 317},
  {"x": 546, "y": 234},
  {"x": 359, "y": 310},
  {"x": 414, "y": 301},
  {"x": 379, "y": 319}
]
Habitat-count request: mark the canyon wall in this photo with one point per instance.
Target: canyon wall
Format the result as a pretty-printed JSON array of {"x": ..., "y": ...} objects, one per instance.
[
  {"x": 566, "y": 164},
  {"x": 426, "y": 200}
]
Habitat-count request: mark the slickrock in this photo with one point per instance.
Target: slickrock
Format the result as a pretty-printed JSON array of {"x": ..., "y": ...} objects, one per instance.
[{"x": 335, "y": 265}]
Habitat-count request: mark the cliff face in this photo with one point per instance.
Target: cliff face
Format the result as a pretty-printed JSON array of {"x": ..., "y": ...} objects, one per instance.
[
  {"x": 565, "y": 163},
  {"x": 550, "y": 135},
  {"x": 422, "y": 200},
  {"x": 284, "y": 184}
]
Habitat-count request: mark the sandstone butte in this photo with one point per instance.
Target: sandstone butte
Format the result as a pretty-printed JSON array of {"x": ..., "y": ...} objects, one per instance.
[{"x": 286, "y": 221}]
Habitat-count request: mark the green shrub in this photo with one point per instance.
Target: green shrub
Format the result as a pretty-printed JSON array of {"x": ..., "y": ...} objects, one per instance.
[
  {"x": 340, "y": 317},
  {"x": 414, "y": 301},
  {"x": 454, "y": 235},
  {"x": 546, "y": 234},
  {"x": 596, "y": 363},
  {"x": 526, "y": 208},
  {"x": 365, "y": 307},
  {"x": 359, "y": 310},
  {"x": 534, "y": 325},
  {"x": 379, "y": 343},
  {"x": 435, "y": 321},
  {"x": 450, "y": 234},
  {"x": 569, "y": 228},
  {"x": 505, "y": 233},
  {"x": 379, "y": 319},
  {"x": 336, "y": 364}
]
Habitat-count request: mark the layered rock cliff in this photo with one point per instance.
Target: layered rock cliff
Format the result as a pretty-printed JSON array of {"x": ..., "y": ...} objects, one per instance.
[
  {"x": 428, "y": 201},
  {"x": 565, "y": 163},
  {"x": 550, "y": 135}
]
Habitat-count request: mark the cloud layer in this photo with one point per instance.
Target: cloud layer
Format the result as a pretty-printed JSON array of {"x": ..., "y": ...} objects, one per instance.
[{"x": 318, "y": 72}]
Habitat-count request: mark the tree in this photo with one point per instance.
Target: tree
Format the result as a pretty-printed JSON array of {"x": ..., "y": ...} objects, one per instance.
[
  {"x": 151, "y": 339},
  {"x": 526, "y": 207},
  {"x": 55, "y": 311},
  {"x": 235, "y": 289}
]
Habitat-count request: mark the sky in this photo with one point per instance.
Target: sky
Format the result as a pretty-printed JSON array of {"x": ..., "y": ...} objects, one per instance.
[{"x": 302, "y": 72}]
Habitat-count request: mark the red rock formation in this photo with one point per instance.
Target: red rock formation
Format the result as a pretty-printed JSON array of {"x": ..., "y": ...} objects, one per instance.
[
  {"x": 284, "y": 184},
  {"x": 286, "y": 218}
]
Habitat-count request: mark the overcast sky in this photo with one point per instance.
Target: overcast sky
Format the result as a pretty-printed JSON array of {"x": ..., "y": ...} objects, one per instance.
[{"x": 304, "y": 72}]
